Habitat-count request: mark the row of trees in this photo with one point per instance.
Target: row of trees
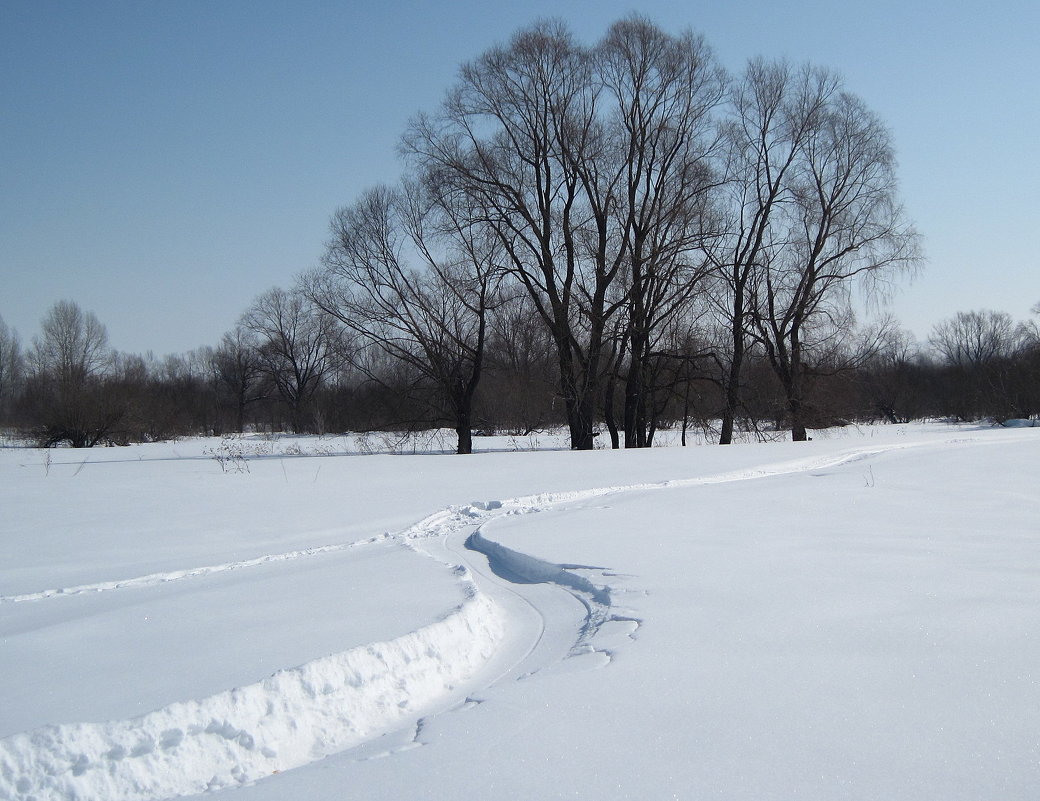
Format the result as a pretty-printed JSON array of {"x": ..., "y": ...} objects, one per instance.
[
  {"x": 71, "y": 387},
  {"x": 641, "y": 202},
  {"x": 286, "y": 366},
  {"x": 616, "y": 235}
]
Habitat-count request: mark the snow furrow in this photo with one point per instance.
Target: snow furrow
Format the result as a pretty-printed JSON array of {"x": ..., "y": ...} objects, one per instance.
[
  {"x": 153, "y": 579},
  {"x": 452, "y": 519},
  {"x": 237, "y": 737},
  {"x": 506, "y": 562}
]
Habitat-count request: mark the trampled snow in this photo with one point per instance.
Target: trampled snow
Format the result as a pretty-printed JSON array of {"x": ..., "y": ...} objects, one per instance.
[{"x": 853, "y": 617}]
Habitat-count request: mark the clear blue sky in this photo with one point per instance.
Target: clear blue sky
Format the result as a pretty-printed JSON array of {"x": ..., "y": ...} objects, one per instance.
[{"x": 161, "y": 163}]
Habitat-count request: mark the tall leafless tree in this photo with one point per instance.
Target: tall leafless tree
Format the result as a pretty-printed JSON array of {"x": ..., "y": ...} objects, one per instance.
[
  {"x": 976, "y": 338},
  {"x": 591, "y": 166},
  {"x": 68, "y": 363},
  {"x": 11, "y": 368},
  {"x": 773, "y": 109},
  {"x": 840, "y": 229},
  {"x": 298, "y": 346},
  {"x": 521, "y": 138},
  {"x": 239, "y": 372},
  {"x": 984, "y": 358},
  {"x": 411, "y": 274},
  {"x": 662, "y": 92},
  {"x": 890, "y": 375},
  {"x": 73, "y": 344}
]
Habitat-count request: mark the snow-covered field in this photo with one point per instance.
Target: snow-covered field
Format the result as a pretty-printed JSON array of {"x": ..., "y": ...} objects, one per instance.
[{"x": 853, "y": 617}]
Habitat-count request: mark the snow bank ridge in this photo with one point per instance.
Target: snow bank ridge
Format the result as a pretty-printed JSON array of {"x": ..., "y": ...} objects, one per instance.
[{"x": 239, "y": 736}]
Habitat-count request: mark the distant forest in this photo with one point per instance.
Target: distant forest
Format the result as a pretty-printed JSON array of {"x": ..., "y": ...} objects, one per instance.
[{"x": 612, "y": 239}]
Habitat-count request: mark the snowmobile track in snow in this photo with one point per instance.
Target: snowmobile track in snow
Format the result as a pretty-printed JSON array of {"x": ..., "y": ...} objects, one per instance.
[{"x": 335, "y": 703}]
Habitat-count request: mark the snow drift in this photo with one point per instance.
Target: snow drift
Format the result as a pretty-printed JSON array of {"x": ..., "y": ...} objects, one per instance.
[{"x": 236, "y": 737}]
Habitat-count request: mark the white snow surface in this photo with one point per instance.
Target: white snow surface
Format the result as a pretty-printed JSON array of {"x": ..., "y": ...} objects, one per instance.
[{"x": 852, "y": 617}]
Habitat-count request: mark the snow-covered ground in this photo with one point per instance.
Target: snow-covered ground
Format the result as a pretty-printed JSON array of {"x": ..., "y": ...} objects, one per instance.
[{"x": 853, "y": 617}]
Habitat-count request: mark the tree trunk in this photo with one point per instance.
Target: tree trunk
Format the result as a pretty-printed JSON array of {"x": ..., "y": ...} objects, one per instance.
[
  {"x": 651, "y": 429},
  {"x": 798, "y": 432},
  {"x": 608, "y": 411},
  {"x": 465, "y": 434},
  {"x": 795, "y": 388},
  {"x": 583, "y": 435},
  {"x": 580, "y": 390},
  {"x": 686, "y": 413},
  {"x": 637, "y": 387},
  {"x": 729, "y": 412},
  {"x": 633, "y": 392},
  {"x": 733, "y": 381}
]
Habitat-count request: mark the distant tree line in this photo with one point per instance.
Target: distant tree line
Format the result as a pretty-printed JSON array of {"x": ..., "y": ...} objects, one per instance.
[
  {"x": 611, "y": 238},
  {"x": 304, "y": 374}
]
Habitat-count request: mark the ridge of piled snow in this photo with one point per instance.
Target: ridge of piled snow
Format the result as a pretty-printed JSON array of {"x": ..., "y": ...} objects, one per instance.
[{"x": 236, "y": 737}]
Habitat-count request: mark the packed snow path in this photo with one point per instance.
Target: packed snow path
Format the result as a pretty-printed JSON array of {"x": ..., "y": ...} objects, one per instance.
[
  {"x": 328, "y": 705},
  {"x": 512, "y": 624}
]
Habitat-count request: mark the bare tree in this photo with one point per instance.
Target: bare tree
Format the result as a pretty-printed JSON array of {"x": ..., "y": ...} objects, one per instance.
[
  {"x": 985, "y": 361},
  {"x": 1029, "y": 364},
  {"x": 975, "y": 338},
  {"x": 73, "y": 344},
  {"x": 841, "y": 228},
  {"x": 410, "y": 274},
  {"x": 519, "y": 136},
  {"x": 591, "y": 166},
  {"x": 1029, "y": 331},
  {"x": 11, "y": 368},
  {"x": 891, "y": 375},
  {"x": 239, "y": 372},
  {"x": 297, "y": 347},
  {"x": 773, "y": 110},
  {"x": 68, "y": 363},
  {"x": 664, "y": 91}
]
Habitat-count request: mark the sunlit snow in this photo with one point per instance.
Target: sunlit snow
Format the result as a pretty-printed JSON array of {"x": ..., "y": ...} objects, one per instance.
[{"x": 852, "y": 617}]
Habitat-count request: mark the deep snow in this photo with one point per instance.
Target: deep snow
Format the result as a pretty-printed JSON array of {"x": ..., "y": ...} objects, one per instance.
[{"x": 852, "y": 617}]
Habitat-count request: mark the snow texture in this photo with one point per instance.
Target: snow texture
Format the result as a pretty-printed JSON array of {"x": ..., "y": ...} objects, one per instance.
[
  {"x": 843, "y": 618},
  {"x": 294, "y": 717}
]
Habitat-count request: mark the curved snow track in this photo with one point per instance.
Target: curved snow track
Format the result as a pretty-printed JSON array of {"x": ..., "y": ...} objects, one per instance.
[{"x": 520, "y": 615}]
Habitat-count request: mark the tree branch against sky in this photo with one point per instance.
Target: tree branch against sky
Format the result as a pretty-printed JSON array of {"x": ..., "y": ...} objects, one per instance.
[
  {"x": 430, "y": 314},
  {"x": 194, "y": 152},
  {"x": 840, "y": 228},
  {"x": 666, "y": 221}
]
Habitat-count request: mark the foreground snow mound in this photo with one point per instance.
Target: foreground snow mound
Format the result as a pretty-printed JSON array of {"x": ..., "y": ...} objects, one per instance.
[{"x": 236, "y": 737}]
